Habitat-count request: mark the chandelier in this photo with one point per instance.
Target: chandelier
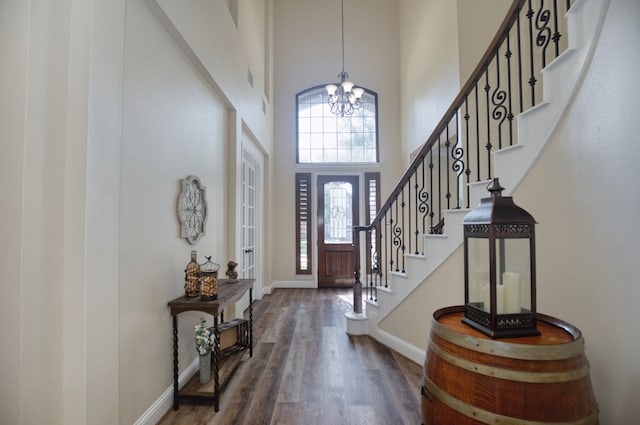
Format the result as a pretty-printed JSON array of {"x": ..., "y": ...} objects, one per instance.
[{"x": 344, "y": 98}]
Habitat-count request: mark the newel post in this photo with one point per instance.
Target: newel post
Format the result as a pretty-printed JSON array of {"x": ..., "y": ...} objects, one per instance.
[{"x": 357, "y": 284}]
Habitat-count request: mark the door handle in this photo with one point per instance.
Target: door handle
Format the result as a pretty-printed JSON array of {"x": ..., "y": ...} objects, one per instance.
[{"x": 248, "y": 250}]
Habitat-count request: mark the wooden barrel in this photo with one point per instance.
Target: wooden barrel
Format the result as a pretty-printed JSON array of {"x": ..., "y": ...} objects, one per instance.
[{"x": 472, "y": 379}]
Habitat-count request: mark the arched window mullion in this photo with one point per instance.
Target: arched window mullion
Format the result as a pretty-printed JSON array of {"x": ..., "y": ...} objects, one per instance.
[{"x": 326, "y": 138}]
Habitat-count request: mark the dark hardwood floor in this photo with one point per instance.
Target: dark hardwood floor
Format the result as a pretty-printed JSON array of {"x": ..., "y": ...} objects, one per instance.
[{"x": 305, "y": 369}]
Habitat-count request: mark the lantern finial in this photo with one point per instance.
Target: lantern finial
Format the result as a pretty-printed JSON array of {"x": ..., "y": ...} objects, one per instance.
[{"x": 494, "y": 188}]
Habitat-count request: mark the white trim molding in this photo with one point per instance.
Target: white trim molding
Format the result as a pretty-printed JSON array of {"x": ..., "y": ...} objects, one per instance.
[{"x": 165, "y": 402}]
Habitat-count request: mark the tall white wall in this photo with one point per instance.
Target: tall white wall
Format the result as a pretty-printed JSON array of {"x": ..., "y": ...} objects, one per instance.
[
  {"x": 55, "y": 97},
  {"x": 477, "y": 25},
  {"x": 162, "y": 143},
  {"x": 441, "y": 42},
  {"x": 308, "y": 53},
  {"x": 105, "y": 105},
  {"x": 583, "y": 193},
  {"x": 429, "y": 70}
]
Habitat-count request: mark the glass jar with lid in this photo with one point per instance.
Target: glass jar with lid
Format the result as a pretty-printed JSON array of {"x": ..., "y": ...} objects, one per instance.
[{"x": 209, "y": 280}]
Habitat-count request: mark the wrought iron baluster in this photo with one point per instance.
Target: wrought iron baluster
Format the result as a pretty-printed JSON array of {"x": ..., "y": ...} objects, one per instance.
[
  {"x": 424, "y": 202},
  {"x": 507, "y": 55},
  {"x": 447, "y": 146},
  {"x": 409, "y": 212},
  {"x": 488, "y": 146},
  {"x": 498, "y": 99},
  {"x": 393, "y": 240},
  {"x": 431, "y": 214},
  {"x": 378, "y": 258},
  {"x": 439, "y": 179},
  {"x": 477, "y": 119},
  {"x": 403, "y": 230},
  {"x": 466, "y": 121},
  {"x": 532, "y": 78},
  {"x": 370, "y": 265},
  {"x": 417, "y": 209},
  {"x": 543, "y": 37},
  {"x": 520, "y": 85},
  {"x": 458, "y": 163},
  {"x": 556, "y": 33},
  {"x": 387, "y": 248}
]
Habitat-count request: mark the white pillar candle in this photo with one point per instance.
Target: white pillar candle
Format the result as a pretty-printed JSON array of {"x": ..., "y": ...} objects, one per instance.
[
  {"x": 511, "y": 283},
  {"x": 485, "y": 295},
  {"x": 500, "y": 299}
]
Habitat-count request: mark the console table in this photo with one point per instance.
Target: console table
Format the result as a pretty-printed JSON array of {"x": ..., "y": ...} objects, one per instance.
[{"x": 227, "y": 293}]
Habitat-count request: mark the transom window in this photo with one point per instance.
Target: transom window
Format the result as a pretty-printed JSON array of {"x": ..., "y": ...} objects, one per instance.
[{"x": 327, "y": 138}]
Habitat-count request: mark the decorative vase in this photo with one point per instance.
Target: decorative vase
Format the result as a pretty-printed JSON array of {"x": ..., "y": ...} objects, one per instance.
[
  {"x": 205, "y": 367},
  {"x": 191, "y": 280}
]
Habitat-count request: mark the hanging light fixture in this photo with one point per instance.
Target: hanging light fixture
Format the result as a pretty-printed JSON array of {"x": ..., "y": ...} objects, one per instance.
[{"x": 344, "y": 98}]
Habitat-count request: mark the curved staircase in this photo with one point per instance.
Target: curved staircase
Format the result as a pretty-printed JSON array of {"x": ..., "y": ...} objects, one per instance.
[{"x": 561, "y": 79}]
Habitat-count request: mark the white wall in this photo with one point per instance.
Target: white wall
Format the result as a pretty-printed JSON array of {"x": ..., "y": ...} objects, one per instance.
[
  {"x": 54, "y": 339},
  {"x": 308, "y": 53},
  {"x": 583, "y": 193},
  {"x": 477, "y": 25},
  {"x": 105, "y": 105},
  {"x": 162, "y": 143},
  {"x": 32, "y": 250},
  {"x": 441, "y": 42},
  {"x": 13, "y": 43},
  {"x": 429, "y": 71}
]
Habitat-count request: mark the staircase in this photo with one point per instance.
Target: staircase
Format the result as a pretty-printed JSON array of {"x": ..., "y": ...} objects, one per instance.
[{"x": 404, "y": 244}]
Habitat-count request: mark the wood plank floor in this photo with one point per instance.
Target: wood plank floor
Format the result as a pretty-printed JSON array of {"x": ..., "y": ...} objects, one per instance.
[{"x": 305, "y": 369}]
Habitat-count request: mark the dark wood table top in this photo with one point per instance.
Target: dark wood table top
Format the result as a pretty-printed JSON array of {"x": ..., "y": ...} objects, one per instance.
[{"x": 227, "y": 293}]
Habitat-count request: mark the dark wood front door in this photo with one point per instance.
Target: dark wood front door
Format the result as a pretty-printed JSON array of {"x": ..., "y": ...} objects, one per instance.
[{"x": 337, "y": 214}]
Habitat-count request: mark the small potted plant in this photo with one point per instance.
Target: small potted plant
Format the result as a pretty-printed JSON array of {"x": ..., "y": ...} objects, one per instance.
[{"x": 204, "y": 342}]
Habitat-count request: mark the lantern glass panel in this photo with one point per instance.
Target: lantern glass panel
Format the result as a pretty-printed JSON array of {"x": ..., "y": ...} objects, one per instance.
[
  {"x": 513, "y": 267},
  {"x": 478, "y": 277}
]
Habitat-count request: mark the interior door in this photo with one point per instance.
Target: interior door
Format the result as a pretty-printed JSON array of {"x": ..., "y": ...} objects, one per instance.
[
  {"x": 337, "y": 214},
  {"x": 250, "y": 189}
]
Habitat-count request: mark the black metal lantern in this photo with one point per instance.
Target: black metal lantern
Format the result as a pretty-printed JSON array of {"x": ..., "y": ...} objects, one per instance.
[{"x": 500, "y": 267}]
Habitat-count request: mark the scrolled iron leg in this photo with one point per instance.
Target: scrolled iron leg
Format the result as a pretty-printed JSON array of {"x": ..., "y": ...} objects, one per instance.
[
  {"x": 176, "y": 395},
  {"x": 216, "y": 365},
  {"x": 250, "y": 322}
]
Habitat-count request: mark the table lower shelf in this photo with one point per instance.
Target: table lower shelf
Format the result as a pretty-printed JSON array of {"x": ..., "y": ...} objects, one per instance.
[{"x": 230, "y": 359}]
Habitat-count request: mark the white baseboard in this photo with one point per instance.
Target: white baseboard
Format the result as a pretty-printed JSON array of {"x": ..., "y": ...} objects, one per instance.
[
  {"x": 165, "y": 402},
  {"x": 401, "y": 346},
  {"x": 302, "y": 284}
]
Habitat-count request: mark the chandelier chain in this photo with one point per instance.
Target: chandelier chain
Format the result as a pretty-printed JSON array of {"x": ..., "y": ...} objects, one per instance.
[{"x": 344, "y": 97}]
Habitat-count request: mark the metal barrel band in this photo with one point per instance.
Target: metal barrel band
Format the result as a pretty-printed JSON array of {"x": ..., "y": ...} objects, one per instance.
[
  {"x": 491, "y": 418},
  {"x": 510, "y": 374},
  {"x": 509, "y": 350}
]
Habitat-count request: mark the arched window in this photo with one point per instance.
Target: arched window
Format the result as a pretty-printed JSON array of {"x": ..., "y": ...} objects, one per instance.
[{"x": 326, "y": 138}]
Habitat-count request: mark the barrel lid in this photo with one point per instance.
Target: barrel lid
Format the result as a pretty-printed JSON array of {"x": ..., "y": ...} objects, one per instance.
[{"x": 557, "y": 339}]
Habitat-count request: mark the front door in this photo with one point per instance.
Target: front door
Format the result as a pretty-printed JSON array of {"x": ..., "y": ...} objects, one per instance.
[{"x": 337, "y": 214}]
